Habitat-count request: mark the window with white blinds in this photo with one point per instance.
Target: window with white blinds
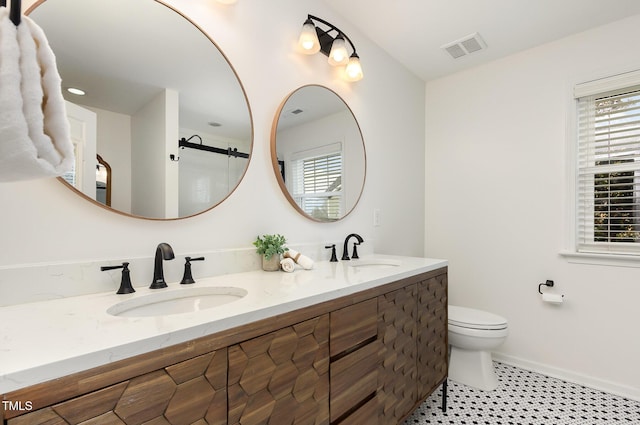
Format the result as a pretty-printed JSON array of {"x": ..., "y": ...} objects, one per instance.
[
  {"x": 317, "y": 182},
  {"x": 608, "y": 170}
]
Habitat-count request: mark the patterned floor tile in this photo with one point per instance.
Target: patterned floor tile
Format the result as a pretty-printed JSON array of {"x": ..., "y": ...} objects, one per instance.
[{"x": 526, "y": 398}]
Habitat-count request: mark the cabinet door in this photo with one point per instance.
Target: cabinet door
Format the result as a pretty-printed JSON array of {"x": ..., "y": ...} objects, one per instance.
[
  {"x": 184, "y": 393},
  {"x": 397, "y": 330},
  {"x": 432, "y": 334},
  {"x": 281, "y": 377}
]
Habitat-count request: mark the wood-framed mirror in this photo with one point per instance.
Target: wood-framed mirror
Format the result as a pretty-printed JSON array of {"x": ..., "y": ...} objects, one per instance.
[
  {"x": 318, "y": 153},
  {"x": 151, "y": 78}
]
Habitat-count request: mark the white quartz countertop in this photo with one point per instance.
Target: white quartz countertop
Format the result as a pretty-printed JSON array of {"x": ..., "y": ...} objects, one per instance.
[{"x": 45, "y": 340}]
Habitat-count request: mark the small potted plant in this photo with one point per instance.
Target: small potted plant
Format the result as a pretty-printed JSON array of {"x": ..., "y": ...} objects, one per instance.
[{"x": 270, "y": 247}]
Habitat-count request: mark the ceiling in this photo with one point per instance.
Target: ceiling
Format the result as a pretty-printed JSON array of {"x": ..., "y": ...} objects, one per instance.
[{"x": 413, "y": 31}]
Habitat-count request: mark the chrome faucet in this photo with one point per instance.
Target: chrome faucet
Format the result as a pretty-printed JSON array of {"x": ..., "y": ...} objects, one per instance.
[
  {"x": 345, "y": 249},
  {"x": 163, "y": 251}
]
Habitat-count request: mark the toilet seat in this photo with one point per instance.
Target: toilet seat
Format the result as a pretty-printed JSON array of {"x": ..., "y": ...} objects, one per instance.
[{"x": 470, "y": 318}]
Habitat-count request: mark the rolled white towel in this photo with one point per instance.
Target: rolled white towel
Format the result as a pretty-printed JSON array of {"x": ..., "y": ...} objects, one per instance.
[
  {"x": 35, "y": 138},
  {"x": 303, "y": 260},
  {"x": 287, "y": 265}
]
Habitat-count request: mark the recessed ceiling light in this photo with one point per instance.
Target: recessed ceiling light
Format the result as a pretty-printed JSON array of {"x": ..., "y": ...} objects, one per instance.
[{"x": 76, "y": 91}]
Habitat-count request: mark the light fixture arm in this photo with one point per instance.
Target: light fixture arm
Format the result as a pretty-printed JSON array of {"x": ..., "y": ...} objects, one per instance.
[{"x": 326, "y": 45}]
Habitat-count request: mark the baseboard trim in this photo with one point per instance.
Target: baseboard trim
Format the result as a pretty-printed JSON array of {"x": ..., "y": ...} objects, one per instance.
[{"x": 570, "y": 376}]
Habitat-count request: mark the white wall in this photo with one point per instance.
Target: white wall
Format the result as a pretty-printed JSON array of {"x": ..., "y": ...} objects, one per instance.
[
  {"x": 496, "y": 202},
  {"x": 154, "y": 178},
  {"x": 46, "y": 222},
  {"x": 82, "y": 130},
  {"x": 114, "y": 146}
]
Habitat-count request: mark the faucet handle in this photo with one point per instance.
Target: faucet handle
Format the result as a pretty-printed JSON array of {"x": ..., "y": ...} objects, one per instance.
[
  {"x": 355, "y": 251},
  {"x": 334, "y": 258},
  {"x": 187, "y": 277},
  {"x": 125, "y": 281}
]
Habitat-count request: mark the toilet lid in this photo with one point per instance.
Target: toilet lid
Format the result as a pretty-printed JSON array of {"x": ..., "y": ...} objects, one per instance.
[{"x": 475, "y": 319}]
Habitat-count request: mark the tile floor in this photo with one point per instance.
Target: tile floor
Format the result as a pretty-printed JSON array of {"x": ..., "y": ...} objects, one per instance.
[{"x": 526, "y": 398}]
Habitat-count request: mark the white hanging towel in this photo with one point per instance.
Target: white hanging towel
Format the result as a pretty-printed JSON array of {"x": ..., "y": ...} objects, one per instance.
[{"x": 35, "y": 139}]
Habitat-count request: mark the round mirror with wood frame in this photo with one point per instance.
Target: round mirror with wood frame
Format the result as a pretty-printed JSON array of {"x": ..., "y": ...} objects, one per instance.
[
  {"x": 162, "y": 105},
  {"x": 318, "y": 153}
]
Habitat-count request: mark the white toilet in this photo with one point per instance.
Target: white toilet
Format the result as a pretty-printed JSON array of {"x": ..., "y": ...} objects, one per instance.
[{"x": 473, "y": 334}]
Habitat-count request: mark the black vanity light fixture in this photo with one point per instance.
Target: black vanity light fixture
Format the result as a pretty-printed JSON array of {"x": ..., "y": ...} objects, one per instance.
[{"x": 333, "y": 43}]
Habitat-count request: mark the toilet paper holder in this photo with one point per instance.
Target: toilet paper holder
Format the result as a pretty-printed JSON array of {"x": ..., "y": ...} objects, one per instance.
[
  {"x": 548, "y": 283},
  {"x": 550, "y": 297}
]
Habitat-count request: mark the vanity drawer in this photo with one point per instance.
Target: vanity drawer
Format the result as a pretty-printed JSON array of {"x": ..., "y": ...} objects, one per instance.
[
  {"x": 354, "y": 379},
  {"x": 367, "y": 414},
  {"x": 353, "y": 325}
]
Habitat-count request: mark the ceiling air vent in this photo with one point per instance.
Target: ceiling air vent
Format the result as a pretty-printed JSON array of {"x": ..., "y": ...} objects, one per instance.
[{"x": 465, "y": 46}]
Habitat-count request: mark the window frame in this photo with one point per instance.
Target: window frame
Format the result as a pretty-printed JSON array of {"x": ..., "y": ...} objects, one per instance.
[{"x": 574, "y": 253}]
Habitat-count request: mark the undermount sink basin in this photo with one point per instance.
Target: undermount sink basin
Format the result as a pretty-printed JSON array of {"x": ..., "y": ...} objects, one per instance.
[
  {"x": 182, "y": 300},
  {"x": 375, "y": 263}
]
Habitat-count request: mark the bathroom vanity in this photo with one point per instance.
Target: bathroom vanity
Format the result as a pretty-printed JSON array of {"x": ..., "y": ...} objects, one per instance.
[{"x": 360, "y": 342}]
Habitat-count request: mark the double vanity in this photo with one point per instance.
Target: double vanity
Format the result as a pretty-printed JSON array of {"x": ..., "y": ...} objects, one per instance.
[
  {"x": 353, "y": 342},
  {"x": 356, "y": 342}
]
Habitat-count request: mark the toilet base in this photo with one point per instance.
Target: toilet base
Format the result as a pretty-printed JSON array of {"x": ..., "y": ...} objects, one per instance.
[{"x": 473, "y": 368}]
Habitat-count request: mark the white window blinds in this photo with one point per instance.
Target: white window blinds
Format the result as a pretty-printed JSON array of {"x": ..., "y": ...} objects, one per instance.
[
  {"x": 317, "y": 182},
  {"x": 608, "y": 169}
]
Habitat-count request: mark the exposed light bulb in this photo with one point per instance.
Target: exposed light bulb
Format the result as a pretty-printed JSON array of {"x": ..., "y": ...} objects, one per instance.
[
  {"x": 339, "y": 55},
  {"x": 227, "y": 1},
  {"x": 353, "y": 70},
  {"x": 308, "y": 40}
]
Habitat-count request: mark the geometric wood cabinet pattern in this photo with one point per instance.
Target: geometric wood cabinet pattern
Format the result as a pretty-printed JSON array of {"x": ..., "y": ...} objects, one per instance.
[
  {"x": 282, "y": 377},
  {"x": 361, "y": 359},
  {"x": 412, "y": 325},
  {"x": 398, "y": 373},
  {"x": 189, "y": 392},
  {"x": 432, "y": 336}
]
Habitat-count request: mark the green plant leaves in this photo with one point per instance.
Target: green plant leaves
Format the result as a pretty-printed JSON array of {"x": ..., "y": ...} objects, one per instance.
[{"x": 268, "y": 245}]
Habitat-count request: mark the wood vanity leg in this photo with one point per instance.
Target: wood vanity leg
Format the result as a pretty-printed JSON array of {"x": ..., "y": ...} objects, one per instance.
[{"x": 444, "y": 396}]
